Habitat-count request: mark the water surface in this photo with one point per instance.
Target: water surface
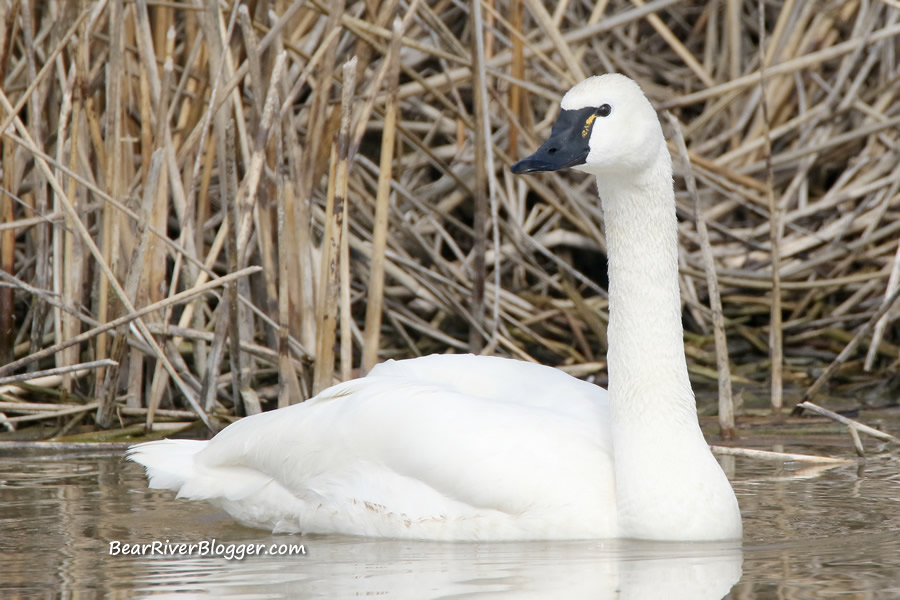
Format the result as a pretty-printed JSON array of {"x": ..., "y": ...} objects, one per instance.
[{"x": 810, "y": 532}]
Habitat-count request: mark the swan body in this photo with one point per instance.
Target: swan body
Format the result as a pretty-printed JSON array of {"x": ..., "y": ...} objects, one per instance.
[{"x": 480, "y": 448}]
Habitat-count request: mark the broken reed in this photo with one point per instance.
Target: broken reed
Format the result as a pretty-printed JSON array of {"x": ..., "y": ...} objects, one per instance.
[{"x": 150, "y": 148}]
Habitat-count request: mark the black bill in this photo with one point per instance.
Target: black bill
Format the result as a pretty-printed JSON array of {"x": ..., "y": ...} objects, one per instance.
[{"x": 568, "y": 145}]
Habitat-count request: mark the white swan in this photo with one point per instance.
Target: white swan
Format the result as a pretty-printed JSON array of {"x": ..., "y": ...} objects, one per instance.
[{"x": 472, "y": 447}]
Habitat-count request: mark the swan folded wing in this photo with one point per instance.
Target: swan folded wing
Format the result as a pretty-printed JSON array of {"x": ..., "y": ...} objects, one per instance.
[{"x": 425, "y": 451}]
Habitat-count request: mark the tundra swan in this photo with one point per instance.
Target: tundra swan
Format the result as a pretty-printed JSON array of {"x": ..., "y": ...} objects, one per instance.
[{"x": 471, "y": 447}]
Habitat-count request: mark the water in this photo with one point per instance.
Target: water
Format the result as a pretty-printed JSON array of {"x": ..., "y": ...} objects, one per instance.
[{"x": 810, "y": 532}]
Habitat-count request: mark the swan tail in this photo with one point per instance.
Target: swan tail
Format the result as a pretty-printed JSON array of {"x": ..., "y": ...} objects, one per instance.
[
  {"x": 173, "y": 465},
  {"x": 169, "y": 463}
]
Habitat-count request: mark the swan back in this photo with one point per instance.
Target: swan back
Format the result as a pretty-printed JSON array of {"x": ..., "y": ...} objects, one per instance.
[{"x": 501, "y": 380}]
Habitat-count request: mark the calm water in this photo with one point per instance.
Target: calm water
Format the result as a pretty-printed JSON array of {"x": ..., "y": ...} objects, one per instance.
[{"x": 809, "y": 533}]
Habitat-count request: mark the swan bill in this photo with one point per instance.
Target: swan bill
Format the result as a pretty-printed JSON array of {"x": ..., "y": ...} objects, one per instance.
[{"x": 568, "y": 145}]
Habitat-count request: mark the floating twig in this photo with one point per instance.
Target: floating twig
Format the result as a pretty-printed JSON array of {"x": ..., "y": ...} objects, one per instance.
[
  {"x": 854, "y": 425},
  {"x": 777, "y": 456}
]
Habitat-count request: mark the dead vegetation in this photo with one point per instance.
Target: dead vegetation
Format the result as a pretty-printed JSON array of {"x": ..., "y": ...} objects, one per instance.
[{"x": 212, "y": 197}]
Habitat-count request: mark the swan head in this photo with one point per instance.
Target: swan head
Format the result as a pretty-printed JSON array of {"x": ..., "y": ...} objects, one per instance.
[{"x": 606, "y": 127}]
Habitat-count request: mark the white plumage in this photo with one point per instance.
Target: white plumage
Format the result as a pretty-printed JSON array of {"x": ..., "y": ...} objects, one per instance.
[
  {"x": 465, "y": 447},
  {"x": 407, "y": 452}
]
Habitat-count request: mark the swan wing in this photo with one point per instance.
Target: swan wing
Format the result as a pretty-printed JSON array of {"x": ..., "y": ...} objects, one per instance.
[{"x": 429, "y": 448}]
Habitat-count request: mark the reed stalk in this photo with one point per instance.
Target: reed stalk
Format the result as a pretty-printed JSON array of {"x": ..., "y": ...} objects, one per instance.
[
  {"x": 375, "y": 299},
  {"x": 776, "y": 344},
  {"x": 726, "y": 402}
]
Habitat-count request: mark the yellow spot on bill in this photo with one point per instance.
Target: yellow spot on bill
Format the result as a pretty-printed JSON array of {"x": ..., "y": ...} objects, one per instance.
[{"x": 587, "y": 125}]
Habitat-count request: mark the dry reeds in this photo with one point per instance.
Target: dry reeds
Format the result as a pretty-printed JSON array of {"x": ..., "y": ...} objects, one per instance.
[{"x": 185, "y": 193}]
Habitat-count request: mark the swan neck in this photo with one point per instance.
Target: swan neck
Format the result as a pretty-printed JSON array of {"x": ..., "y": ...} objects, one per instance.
[
  {"x": 679, "y": 492},
  {"x": 646, "y": 344}
]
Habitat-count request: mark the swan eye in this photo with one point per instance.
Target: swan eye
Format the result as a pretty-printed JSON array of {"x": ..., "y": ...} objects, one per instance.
[{"x": 604, "y": 110}]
